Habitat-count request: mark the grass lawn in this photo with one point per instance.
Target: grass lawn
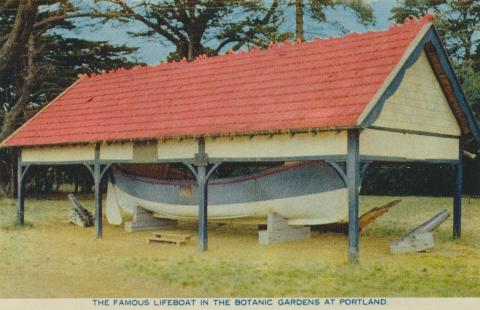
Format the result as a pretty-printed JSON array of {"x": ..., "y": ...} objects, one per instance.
[{"x": 51, "y": 258}]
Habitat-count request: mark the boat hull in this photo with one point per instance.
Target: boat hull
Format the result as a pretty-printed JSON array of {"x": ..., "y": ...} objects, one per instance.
[{"x": 304, "y": 194}]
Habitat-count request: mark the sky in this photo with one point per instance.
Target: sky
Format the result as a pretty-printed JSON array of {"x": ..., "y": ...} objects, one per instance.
[{"x": 153, "y": 51}]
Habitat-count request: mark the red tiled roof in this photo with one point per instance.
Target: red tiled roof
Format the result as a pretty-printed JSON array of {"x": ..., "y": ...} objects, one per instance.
[{"x": 320, "y": 84}]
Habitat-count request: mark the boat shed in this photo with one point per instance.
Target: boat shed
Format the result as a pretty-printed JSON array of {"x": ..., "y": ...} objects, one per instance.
[{"x": 389, "y": 96}]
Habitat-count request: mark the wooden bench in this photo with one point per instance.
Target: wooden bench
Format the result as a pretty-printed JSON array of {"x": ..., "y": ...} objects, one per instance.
[{"x": 176, "y": 238}]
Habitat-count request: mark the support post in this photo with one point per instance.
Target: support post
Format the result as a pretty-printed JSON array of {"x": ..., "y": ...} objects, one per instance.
[
  {"x": 202, "y": 175},
  {"x": 98, "y": 194},
  {"x": 457, "y": 196},
  {"x": 20, "y": 192},
  {"x": 201, "y": 161},
  {"x": 202, "y": 208},
  {"x": 353, "y": 182}
]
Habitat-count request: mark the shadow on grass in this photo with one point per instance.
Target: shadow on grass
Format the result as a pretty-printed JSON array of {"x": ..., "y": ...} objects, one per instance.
[{"x": 15, "y": 226}]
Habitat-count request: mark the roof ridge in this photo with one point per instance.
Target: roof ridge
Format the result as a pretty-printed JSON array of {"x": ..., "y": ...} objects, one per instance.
[{"x": 409, "y": 21}]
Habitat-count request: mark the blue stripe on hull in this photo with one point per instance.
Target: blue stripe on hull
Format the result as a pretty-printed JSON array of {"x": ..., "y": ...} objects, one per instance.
[{"x": 276, "y": 183}]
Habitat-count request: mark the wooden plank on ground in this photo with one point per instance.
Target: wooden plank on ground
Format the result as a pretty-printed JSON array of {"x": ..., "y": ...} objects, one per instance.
[
  {"x": 161, "y": 240},
  {"x": 162, "y": 237},
  {"x": 172, "y": 235}
]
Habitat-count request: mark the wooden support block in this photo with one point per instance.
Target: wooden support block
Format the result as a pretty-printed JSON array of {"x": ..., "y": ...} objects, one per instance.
[
  {"x": 144, "y": 220},
  {"x": 279, "y": 231}
]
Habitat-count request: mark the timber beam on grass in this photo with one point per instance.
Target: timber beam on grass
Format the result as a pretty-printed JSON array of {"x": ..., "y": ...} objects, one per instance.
[{"x": 364, "y": 220}]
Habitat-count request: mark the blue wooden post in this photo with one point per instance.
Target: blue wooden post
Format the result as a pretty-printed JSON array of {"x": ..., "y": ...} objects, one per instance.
[
  {"x": 98, "y": 195},
  {"x": 202, "y": 209},
  {"x": 20, "y": 192},
  {"x": 457, "y": 196},
  {"x": 353, "y": 182},
  {"x": 202, "y": 182}
]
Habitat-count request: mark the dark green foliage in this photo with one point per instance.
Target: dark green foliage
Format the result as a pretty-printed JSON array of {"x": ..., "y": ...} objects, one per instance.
[
  {"x": 53, "y": 64},
  {"x": 408, "y": 179},
  {"x": 457, "y": 22},
  {"x": 470, "y": 77},
  {"x": 66, "y": 58},
  {"x": 361, "y": 8},
  {"x": 48, "y": 179},
  {"x": 316, "y": 10}
]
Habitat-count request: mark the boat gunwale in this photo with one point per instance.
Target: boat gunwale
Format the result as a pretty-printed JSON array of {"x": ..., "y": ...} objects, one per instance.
[{"x": 223, "y": 181}]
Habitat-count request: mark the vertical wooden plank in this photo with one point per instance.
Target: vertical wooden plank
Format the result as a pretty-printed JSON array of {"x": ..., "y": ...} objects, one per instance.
[
  {"x": 457, "y": 195},
  {"x": 353, "y": 182},
  {"x": 98, "y": 194},
  {"x": 20, "y": 192}
]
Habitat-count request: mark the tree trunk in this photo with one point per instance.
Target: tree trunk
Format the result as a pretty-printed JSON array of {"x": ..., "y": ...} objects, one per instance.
[
  {"x": 11, "y": 117},
  {"x": 194, "y": 46},
  {"x": 190, "y": 55},
  {"x": 17, "y": 38},
  {"x": 299, "y": 20},
  {"x": 12, "y": 185}
]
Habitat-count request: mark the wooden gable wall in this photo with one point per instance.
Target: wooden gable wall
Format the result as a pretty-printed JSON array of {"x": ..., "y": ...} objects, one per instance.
[{"x": 416, "y": 122}]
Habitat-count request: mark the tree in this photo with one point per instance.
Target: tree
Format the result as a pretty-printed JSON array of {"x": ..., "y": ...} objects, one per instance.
[
  {"x": 316, "y": 10},
  {"x": 37, "y": 71},
  {"x": 299, "y": 32},
  {"x": 457, "y": 22},
  {"x": 19, "y": 30},
  {"x": 198, "y": 27}
]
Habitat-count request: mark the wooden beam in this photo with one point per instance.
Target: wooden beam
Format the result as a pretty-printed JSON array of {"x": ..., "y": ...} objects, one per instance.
[{"x": 353, "y": 182}]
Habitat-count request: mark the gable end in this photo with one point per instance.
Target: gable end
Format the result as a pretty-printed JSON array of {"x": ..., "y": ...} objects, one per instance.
[
  {"x": 419, "y": 104},
  {"x": 429, "y": 42}
]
